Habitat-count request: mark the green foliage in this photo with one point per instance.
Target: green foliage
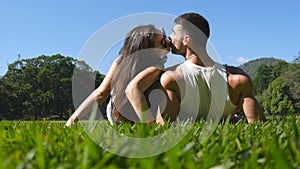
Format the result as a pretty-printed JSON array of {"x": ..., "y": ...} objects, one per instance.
[
  {"x": 292, "y": 77},
  {"x": 252, "y": 66},
  {"x": 266, "y": 74},
  {"x": 39, "y": 87},
  {"x": 277, "y": 99},
  {"x": 262, "y": 78},
  {"x": 289, "y": 73},
  {"x": 46, "y": 144}
]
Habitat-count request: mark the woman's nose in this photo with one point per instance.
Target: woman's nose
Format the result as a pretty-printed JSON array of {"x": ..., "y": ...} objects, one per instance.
[{"x": 168, "y": 40}]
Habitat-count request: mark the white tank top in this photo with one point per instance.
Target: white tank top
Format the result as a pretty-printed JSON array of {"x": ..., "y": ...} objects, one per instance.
[{"x": 206, "y": 92}]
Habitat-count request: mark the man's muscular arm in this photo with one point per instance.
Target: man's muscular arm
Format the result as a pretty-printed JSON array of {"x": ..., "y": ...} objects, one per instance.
[{"x": 247, "y": 102}]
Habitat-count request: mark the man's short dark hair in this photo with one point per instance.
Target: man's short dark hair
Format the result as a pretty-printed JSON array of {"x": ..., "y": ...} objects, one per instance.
[{"x": 195, "y": 19}]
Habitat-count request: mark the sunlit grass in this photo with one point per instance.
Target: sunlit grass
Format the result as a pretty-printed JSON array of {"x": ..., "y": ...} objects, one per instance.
[{"x": 47, "y": 144}]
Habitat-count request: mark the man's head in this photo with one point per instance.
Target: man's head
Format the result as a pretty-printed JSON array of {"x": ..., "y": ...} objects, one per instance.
[{"x": 191, "y": 30}]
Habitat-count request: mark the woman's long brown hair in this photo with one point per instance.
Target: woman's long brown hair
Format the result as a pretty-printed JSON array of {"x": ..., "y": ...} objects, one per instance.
[{"x": 136, "y": 55}]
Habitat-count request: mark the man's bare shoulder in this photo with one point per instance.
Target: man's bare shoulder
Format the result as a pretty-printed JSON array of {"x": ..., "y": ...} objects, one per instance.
[
  {"x": 237, "y": 77},
  {"x": 235, "y": 70}
]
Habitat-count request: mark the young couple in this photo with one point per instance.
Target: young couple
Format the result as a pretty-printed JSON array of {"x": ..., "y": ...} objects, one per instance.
[{"x": 143, "y": 91}]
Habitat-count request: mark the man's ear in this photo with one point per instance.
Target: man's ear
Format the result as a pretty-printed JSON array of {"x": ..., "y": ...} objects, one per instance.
[{"x": 187, "y": 40}]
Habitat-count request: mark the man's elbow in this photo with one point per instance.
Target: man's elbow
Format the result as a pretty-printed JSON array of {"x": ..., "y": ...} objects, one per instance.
[{"x": 259, "y": 118}]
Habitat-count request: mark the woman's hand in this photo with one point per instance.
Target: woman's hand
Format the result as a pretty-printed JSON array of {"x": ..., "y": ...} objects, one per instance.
[
  {"x": 160, "y": 121},
  {"x": 71, "y": 121}
]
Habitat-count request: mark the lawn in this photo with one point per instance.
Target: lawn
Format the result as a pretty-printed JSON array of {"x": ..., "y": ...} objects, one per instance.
[{"x": 47, "y": 144}]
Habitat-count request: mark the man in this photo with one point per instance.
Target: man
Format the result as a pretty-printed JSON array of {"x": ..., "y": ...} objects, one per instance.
[{"x": 200, "y": 85}]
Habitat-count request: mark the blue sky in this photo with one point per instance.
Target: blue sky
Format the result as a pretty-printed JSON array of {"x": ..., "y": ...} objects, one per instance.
[{"x": 240, "y": 30}]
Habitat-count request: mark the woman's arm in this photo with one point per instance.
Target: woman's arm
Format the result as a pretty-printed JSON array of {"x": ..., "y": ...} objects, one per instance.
[
  {"x": 135, "y": 92},
  {"x": 97, "y": 97}
]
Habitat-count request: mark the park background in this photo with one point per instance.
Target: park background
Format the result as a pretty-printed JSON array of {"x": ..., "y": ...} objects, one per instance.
[{"x": 40, "y": 44}]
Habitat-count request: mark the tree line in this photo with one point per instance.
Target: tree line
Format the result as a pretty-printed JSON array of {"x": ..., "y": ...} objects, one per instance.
[
  {"x": 276, "y": 84},
  {"x": 41, "y": 87}
]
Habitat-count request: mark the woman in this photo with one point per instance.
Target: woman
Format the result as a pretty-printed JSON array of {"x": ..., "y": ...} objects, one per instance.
[{"x": 138, "y": 67}]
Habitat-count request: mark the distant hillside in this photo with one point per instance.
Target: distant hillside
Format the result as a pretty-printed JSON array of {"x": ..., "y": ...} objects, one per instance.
[{"x": 251, "y": 66}]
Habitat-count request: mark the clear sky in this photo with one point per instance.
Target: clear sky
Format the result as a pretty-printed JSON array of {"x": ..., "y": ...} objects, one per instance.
[{"x": 240, "y": 30}]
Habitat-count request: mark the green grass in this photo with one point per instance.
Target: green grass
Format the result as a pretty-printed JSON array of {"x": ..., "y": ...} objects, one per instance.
[{"x": 47, "y": 144}]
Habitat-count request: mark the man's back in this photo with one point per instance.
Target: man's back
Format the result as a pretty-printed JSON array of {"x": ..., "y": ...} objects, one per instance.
[
  {"x": 189, "y": 38},
  {"x": 203, "y": 91}
]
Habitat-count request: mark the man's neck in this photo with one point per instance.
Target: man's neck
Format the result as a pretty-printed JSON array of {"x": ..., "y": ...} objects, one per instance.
[{"x": 202, "y": 60}]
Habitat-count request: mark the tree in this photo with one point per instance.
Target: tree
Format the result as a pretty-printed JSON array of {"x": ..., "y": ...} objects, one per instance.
[
  {"x": 262, "y": 78},
  {"x": 4, "y": 107},
  {"x": 292, "y": 77},
  {"x": 266, "y": 74},
  {"x": 277, "y": 99},
  {"x": 251, "y": 67},
  {"x": 278, "y": 69},
  {"x": 41, "y": 87}
]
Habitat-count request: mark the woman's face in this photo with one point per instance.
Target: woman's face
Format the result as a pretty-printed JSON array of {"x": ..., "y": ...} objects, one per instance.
[{"x": 162, "y": 43}]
